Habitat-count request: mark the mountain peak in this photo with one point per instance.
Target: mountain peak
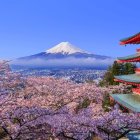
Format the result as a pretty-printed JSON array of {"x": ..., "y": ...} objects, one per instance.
[{"x": 65, "y": 48}]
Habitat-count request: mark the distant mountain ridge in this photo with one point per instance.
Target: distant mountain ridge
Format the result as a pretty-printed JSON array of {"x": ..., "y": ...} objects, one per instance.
[
  {"x": 44, "y": 55},
  {"x": 64, "y": 55}
]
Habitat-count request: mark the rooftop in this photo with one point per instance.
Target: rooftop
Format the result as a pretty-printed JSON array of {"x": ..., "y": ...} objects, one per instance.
[
  {"x": 135, "y": 39},
  {"x": 134, "y": 78},
  {"x": 130, "y": 101},
  {"x": 131, "y": 58}
]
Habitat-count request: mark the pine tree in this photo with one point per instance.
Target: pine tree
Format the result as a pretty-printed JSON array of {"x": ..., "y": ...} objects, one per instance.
[{"x": 117, "y": 69}]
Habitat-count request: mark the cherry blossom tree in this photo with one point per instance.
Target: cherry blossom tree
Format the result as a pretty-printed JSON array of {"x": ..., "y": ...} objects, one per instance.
[{"x": 46, "y": 107}]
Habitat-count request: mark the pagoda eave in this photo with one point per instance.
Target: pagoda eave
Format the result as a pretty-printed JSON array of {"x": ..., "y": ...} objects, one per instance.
[
  {"x": 129, "y": 101},
  {"x": 130, "y": 42},
  {"x": 135, "y": 39},
  {"x": 129, "y": 60},
  {"x": 130, "y": 78},
  {"x": 126, "y": 82}
]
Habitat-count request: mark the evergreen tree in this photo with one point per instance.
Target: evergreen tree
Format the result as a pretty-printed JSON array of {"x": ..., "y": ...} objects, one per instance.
[
  {"x": 129, "y": 68},
  {"x": 117, "y": 69}
]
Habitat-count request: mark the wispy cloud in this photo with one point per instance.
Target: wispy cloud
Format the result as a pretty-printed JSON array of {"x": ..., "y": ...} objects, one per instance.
[{"x": 93, "y": 62}]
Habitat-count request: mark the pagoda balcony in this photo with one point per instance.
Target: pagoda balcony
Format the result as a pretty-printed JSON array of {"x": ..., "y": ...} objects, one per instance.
[{"x": 129, "y": 101}]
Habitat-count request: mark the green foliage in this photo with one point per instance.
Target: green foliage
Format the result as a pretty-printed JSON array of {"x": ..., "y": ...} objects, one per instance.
[
  {"x": 129, "y": 68},
  {"x": 15, "y": 120},
  {"x": 117, "y": 69},
  {"x": 123, "y": 109},
  {"x": 86, "y": 102},
  {"x": 106, "y": 104}
]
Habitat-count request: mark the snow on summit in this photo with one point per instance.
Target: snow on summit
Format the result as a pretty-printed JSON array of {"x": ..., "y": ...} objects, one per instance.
[{"x": 65, "y": 48}]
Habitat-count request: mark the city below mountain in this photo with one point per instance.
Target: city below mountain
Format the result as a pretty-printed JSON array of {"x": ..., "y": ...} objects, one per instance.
[{"x": 64, "y": 55}]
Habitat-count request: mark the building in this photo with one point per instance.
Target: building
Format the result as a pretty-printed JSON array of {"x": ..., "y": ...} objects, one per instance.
[{"x": 131, "y": 102}]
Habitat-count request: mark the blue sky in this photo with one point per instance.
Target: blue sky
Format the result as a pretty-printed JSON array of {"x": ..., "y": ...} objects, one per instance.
[{"x": 32, "y": 26}]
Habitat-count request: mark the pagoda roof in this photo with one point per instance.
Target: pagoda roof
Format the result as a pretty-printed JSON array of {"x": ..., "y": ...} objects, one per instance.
[
  {"x": 130, "y": 101},
  {"x": 130, "y": 58},
  {"x": 135, "y": 39},
  {"x": 132, "y": 78}
]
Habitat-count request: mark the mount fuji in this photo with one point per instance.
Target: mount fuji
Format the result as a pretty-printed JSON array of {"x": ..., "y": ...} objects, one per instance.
[{"x": 64, "y": 55}]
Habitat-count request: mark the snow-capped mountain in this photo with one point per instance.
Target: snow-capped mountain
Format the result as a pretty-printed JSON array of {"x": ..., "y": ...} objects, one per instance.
[
  {"x": 65, "y": 48},
  {"x": 64, "y": 55}
]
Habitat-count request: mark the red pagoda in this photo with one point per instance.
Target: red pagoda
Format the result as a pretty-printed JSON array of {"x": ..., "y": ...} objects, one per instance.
[{"x": 130, "y": 101}]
